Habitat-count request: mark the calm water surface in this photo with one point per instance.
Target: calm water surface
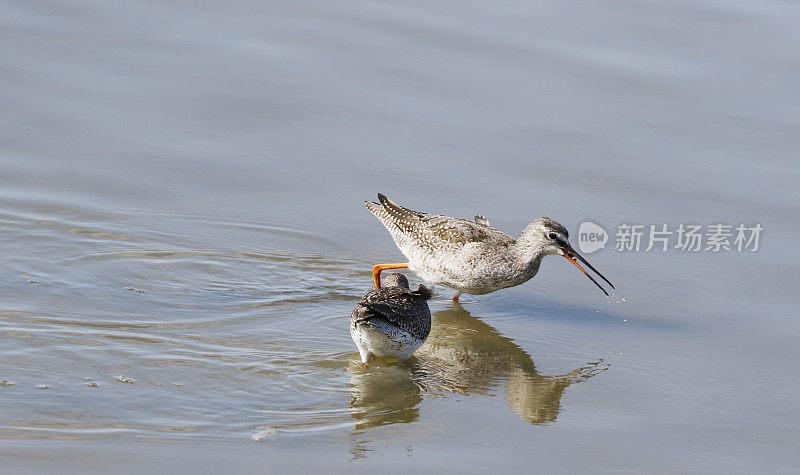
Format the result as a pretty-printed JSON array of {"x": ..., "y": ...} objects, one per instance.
[{"x": 184, "y": 239}]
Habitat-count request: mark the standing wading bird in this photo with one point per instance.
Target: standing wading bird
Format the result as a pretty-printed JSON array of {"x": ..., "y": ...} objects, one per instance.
[
  {"x": 471, "y": 256},
  {"x": 391, "y": 322}
]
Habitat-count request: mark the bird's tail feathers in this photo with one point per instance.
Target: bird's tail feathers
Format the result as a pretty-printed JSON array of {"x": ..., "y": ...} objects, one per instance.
[{"x": 424, "y": 292}]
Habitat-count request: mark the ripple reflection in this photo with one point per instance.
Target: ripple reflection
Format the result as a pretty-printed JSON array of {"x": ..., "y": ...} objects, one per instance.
[{"x": 463, "y": 355}]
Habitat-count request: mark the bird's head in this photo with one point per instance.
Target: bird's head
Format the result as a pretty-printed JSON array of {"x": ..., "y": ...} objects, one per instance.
[
  {"x": 395, "y": 279},
  {"x": 551, "y": 238}
]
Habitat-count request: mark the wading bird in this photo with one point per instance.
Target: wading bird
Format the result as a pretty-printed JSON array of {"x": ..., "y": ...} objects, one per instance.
[
  {"x": 392, "y": 321},
  {"x": 471, "y": 256}
]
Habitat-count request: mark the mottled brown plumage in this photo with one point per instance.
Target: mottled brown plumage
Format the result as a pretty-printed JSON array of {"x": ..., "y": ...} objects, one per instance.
[
  {"x": 431, "y": 231},
  {"x": 392, "y": 321}
]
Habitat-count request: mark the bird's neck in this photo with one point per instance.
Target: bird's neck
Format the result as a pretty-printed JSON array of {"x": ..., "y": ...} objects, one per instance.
[{"x": 527, "y": 261}]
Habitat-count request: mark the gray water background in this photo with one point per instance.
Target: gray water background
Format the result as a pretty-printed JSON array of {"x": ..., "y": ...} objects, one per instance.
[{"x": 181, "y": 223}]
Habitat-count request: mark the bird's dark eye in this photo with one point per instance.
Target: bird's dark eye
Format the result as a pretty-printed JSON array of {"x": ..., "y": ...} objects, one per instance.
[{"x": 552, "y": 236}]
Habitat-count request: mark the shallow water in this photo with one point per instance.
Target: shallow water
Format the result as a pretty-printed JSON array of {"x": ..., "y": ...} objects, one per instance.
[{"x": 184, "y": 237}]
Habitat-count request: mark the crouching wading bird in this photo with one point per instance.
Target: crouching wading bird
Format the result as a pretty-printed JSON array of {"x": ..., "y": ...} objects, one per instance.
[
  {"x": 392, "y": 321},
  {"x": 471, "y": 256}
]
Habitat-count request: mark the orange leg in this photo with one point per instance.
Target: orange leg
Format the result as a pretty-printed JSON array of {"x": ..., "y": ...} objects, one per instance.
[
  {"x": 456, "y": 296},
  {"x": 376, "y": 271}
]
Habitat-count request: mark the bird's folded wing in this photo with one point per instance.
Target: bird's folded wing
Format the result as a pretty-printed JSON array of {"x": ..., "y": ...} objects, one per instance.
[
  {"x": 395, "y": 312},
  {"x": 409, "y": 317},
  {"x": 433, "y": 231}
]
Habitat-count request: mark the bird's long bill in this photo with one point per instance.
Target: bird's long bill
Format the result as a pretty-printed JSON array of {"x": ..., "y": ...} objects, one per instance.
[{"x": 570, "y": 255}]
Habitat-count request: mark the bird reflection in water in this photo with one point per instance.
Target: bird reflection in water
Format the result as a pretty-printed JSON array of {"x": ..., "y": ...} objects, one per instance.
[{"x": 463, "y": 355}]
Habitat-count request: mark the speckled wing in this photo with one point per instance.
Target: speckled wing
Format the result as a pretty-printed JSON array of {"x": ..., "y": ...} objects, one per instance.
[
  {"x": 402, "y": 308},
  {"x": 431, "y": 231}
]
